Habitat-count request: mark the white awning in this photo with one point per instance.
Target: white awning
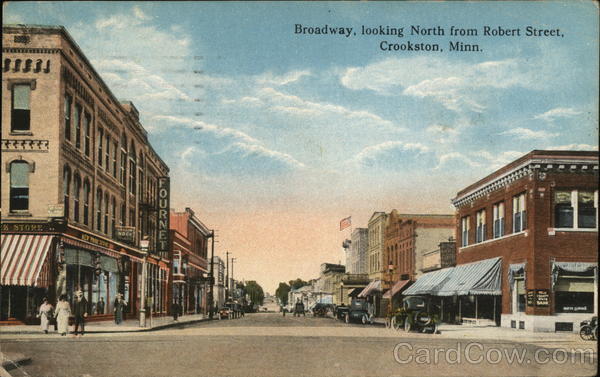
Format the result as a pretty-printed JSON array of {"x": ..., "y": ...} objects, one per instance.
[{"x": 24, "y": 260}]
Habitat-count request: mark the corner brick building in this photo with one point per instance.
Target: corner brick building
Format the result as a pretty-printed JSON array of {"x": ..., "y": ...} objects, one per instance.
[{"x": 539, "y": 214}]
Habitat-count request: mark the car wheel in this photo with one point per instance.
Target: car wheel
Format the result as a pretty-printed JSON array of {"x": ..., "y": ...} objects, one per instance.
[
  {"x": 397, "y": 323},
  {"x": 407, "y": 325},
  {"x": 364, "y": 319},
  {"x": 347, "y": 318}
]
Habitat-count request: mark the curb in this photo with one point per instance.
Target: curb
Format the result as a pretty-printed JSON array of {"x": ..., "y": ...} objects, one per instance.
[{"x": 155, "y": 328}]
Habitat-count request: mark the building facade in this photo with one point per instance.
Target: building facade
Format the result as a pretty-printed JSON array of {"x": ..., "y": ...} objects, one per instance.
[
  {"x": 219, "y": 285},
  {"x": 376, "y": 231},
  {"x": 190, "y": 267},
  {"x": 357, "y": 260},
  {"x": 442, "y": 257},
  {"x": 539, "y": 214},
  {"x": 81, "y": 184}
]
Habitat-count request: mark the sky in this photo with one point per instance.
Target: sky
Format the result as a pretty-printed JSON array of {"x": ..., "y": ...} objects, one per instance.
[{"x": 273, "y": 136}]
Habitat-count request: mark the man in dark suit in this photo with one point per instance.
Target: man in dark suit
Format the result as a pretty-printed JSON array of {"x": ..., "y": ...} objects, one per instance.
[{"x": 80, "y": 312}]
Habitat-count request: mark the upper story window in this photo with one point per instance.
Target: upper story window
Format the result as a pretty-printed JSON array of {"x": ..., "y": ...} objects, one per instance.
[
  {"x": 99, "y": 209},
  {"x": 498, "y": 219},
  {"x": 76, "y": 194},
  {"x": 465, "y": 227},
  {"x": 66, "y": 189},
  {"x": 100, "y": 141},
  {"x": 86, "y": 201},
  {"x": 132, "y": 169},
  {"x": 87, "y": 120},
  {"x": 575, "y": 209},
  {"x": 107, "y": 154},
  {"x": 480, "y": 235},
  {"x": 77, "y": 123},
  {"x": 19, "y": 186},
  {"x": 68, "y": 105},
  {"x": 114, "y": 159},
  {"x": 519, "y": 213},
  {"x": 20, "y": 111},
  {"x": 123, "y": 168}
]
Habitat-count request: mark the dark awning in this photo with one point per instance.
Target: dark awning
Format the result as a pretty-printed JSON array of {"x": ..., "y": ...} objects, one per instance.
[
  {"x": 355, "y": 292},
  {"x": 477, "y": 278}
]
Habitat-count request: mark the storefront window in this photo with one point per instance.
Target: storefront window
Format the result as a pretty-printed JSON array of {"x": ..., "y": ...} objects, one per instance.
[
  {"x": 574, "y": 294},
  {"x": 520, "y": 292}
]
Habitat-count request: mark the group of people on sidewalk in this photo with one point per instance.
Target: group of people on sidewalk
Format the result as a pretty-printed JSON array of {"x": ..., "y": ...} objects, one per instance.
[{"x": 60, "y": 315}]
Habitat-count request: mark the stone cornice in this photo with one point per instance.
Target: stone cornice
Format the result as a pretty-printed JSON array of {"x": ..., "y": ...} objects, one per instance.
[{"x": 528, "y": 168}]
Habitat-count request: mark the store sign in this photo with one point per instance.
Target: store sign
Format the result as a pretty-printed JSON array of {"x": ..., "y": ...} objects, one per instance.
[
  {"x": 530, "y": 298},
  {"x": 125, "y": 233},
  {"x": 542, "y": 297},
  {"x": 32, "y": 228},
  {"x": 96, "y": 241},
  {"x": 163, "y": 215},
  {"x": 56, "y": 210}
]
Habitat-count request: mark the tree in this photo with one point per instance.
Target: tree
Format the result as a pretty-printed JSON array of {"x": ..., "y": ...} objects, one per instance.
[
  {"x": 282, "y": 293},
  {"x": 295, "y": 284},
  {"x": 255, "y": 291}
]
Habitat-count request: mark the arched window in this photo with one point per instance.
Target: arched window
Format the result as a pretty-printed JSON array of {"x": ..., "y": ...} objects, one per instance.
[
  {"x": 6, "y": 65},
  {"x": 77, "y": 122},
  {"x": 17, "y": 65},
  {"x": 19, "y": 186},
  {"x": 99, "y": 209},
  {"x": 68, "y": 105},
  {"x": 106, "y": 203},
  {"x": 76, "y": 193},
  {"x": 123, "y": 168},
  {"x": 86, "y": 201},
  {"x": 66, "y": 189},
  {"x": 27, "y": 65},
  {"x": 87, "y": 120},
  {"x": 38, "y": 65},
  {"x": 132, "y": 168},
  {"x": 47, "y": 66}
]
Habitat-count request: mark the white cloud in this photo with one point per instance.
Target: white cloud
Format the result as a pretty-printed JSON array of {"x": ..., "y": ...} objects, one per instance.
[
  {"x": 494, "y": 161},
  {"x": 456, "y": 85},
  {"x": 558, "y": 112},
  {"x": 526, "y": 133},
  {"x": 393, "y": 155},
  {"x": 139, "y": 14},
  {"x": 206, "y": 127},
  {"x": 575, "y": 147},
  {"x": 457, "y": 158},
  {"x": 443, "y": 134},
  {"x": 279, "y": 80},
  {"x": 260, "y": 151}
]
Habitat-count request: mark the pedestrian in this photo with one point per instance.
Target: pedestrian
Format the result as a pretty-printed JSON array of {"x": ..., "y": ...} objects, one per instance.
[
  {"x": 119, "y": 306},
  {"x": 100, "y": 306},
  {"x": 45, "y": 314},
  {"x": 175, "y": 310},
  {"x": 80, "y": 312},
  {"x": 62, "y": 314}
]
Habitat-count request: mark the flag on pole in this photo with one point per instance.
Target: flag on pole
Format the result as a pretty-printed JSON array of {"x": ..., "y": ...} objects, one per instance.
[{"x": 345, "y": 223}]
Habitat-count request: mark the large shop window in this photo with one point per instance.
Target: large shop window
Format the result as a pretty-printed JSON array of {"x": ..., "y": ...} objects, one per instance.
[
  {"x": 20, "y": 112},
  {"x": 19, "y": 186},
  {"x": 574, "y": 293},
  {"x": 575, "y": 209}
]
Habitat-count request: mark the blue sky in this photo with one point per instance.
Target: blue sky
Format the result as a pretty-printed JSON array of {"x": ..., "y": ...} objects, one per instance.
[{"x": 270, "y": 134}]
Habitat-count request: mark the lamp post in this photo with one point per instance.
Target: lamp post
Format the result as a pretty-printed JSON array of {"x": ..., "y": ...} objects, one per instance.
[
  {"x": 227, "y": 275},
  {"x": 144, "y": 243}
]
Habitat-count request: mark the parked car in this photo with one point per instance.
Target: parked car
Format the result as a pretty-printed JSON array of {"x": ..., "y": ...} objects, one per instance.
[
  {"x": 224, "y": 313},
  {"x": 320, "y": 310},
  {"x": 420, "y": 314},
  {"x": 358, "y": 311},
  {"x": 340, "y": 311}
]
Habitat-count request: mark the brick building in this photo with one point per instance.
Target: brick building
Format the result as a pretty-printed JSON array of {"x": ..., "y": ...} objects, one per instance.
[
  {"x": 408, "y": 237},
  {"x": 539, "y": 215},
  {"x": 189, "y": 256},
  {"x": 80, "y": 183}
]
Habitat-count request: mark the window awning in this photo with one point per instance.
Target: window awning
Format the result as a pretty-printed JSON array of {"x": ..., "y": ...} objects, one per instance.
[
  {"x": 24, "y": 260},
  {"x": 355, "y": 292},
  {"x": 477, "y": 278},
  {"x": 396, "y": 289},
  {"x": 374, "y": 286},
  {"x": 429, "y": 283},
  {"x": 560, "y": 268}
]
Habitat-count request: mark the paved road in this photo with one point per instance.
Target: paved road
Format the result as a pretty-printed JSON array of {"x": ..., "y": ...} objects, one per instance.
[{"x": 268, "y": 344}]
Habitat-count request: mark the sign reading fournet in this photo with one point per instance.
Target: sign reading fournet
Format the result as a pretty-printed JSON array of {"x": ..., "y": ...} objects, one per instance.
[{"x": 162, "y": 246}]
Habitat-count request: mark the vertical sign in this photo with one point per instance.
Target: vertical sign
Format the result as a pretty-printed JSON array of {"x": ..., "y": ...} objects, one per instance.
[{"x": 163, "y": 216}]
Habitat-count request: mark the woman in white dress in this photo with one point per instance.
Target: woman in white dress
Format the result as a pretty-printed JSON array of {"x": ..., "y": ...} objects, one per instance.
[
  {"x": 45, "y": 313},
  {"x": 63, "y": 312}
]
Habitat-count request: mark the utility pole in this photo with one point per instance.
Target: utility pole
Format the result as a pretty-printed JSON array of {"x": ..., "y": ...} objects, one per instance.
[
  {"x": 211, "y": 276},
  {"x": 232, "y": 260},
  {"x": 227, "y": 276},
  {"x": 144, "y": 243}
]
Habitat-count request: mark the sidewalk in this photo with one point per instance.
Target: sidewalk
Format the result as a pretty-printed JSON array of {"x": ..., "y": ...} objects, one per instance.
[{"x": 129, "y": 325}]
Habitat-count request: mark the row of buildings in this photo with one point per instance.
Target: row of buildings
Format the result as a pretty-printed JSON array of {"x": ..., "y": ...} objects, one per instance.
[
  {"x": 85, "y": 197},
  {"x": 520, "y": 251}
]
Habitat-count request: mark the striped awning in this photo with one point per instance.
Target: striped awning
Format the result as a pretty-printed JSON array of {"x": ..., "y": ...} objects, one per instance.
[
  {"x": 476, "y": 278},
  {"x": 429, "y": 283},
  {"x": 396, "y": 288},
  {"x": 24, "y": 258},
  {"x": 373, "y": 287}
]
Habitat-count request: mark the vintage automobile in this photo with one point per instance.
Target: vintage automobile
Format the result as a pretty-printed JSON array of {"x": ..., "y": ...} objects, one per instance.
[
  {"x": 340, "y": 311},
  {"x": 225, "y": 313},
  {"x": 320, "y": 310},
  {"x": 419, "y": 314},
  {"x": 589, "y": 329},
  {"x": 358, "y": 311}
]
